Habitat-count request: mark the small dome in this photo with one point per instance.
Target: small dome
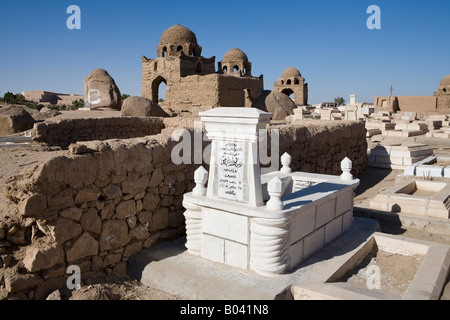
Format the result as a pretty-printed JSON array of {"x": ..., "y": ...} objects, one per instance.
[
  {"x": 178, "y": 35},
  {"x": 445, "y": 81},
  {"x": 99, "y": 72},
  {"x": 235, "y": 55},
  {"x": 291, "y": 72}
]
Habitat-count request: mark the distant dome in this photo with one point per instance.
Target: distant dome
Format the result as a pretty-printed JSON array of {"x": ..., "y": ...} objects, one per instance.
[
  {"x": 445, "y": 81},
  {"x": 178, "y": 35},
  {"x": 235, "y": 55},
  {"x": 291, "y": 72},
  {"x": 99, "y": 73}
]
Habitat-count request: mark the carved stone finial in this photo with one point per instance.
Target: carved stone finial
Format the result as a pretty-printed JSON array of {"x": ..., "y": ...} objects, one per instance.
[
  {"x": 346, "y": 167},
  {"x": 275, "y": 190},
  {"x": 200, "y": 178},
  {"x": 286, "y": 162}
]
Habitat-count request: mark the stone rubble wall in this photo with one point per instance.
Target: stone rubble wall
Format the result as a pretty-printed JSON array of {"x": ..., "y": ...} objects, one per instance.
[
  {"x": 103, "y": 201},
  {"x": 63, "y": 132},
  {"x": 320, "y": 146},
  {"x": 93, "y": 209}
]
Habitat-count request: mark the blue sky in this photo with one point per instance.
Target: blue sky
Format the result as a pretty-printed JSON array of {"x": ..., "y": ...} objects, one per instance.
[{"x": 327, "y": 40}]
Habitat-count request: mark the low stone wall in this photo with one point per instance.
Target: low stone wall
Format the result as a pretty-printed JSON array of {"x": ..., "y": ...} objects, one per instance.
[
  {"x": 320, "y": 146},
  {"x": 102, "y": 201},
  {"x": 63, "y": 132},
  {"x": 94, "y": 210}
]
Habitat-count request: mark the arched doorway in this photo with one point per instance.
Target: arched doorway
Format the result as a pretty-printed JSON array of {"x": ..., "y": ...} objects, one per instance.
[
  {"x": 289, "y": 92},
  {"x": 159, "y": 86}
]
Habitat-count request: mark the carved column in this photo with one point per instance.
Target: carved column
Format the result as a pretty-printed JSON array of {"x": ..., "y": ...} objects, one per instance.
[
  {"x": 269, "y": 245},
  {"x": 193, "y": 215}
]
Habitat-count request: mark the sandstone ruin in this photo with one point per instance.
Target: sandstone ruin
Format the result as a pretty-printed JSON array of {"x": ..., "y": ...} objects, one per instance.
[{"x": 193, "y": 80}]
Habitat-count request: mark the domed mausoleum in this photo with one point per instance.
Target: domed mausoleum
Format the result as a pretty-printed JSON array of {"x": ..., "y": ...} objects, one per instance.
[
  {"x": 443, "y": 94},
  {"x": 178, "y": 39},
  {"x": 235, "y": 62},
  {"x": 192, "y": 80},
  {"x": 292, "y": 82}
]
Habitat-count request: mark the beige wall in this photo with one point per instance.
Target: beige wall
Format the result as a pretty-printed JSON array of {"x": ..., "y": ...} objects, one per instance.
[
  {"x": 49, "y": 133},
  {"x": 406, "y": 103},
  {"x": 40, "y": 96},
  {"x": 416, "y": 103}
]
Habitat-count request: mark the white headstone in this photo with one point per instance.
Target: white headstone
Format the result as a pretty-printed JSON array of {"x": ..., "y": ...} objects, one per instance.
[{"x": 235, "y": 173}]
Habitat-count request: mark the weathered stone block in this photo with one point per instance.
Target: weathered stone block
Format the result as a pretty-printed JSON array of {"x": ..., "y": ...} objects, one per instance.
[
  {"x": 20, "y": 282},
  {"x": 139, "y": 233},
  {"x": 43, "y": 256},
  {"x": 132, "y": 248},
  {"x": 87, "y": 194},
  {"x": 157, "y": 177},
  {"x": 72, "y": 213},
  {"x": 160, "y": 220},
  {"x": 135, "y": 184},
  {"x": 90, "y": 221},
  {"x": 33, "y": 206},
  {"x": 64, "y": 229},
  {"x": 125, "y": 209},
  {"x": 114, "y": 235},
  {"x": 84, "y": 246},
  {"x": 112, "y": 192},
  {"x": 62, "y": 200}
]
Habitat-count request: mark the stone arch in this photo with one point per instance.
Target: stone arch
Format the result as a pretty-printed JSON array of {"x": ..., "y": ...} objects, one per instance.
[
  {"x": 236, "y": 69},
  {"x": 287, "y": 91},
  {"x": 156, "y": 86}
]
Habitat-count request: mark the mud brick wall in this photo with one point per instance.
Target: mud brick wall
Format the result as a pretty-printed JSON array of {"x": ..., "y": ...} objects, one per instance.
[
  {"x": 94, "y": 210},
  {"x": 63, "y": 132},
  {"x": 320, "y": 146}
]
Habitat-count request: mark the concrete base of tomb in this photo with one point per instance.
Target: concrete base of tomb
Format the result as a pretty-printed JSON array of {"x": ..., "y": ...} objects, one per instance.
[{"x": 170, "y": 268}]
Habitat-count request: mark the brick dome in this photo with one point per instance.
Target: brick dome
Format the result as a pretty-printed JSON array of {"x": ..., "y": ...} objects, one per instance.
[
  {"x": 291, "y": 72},
  {"x": 445, "y": 81},
  {"x": 235, "y": 54},
  {"x": 178, "y": 34}
]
